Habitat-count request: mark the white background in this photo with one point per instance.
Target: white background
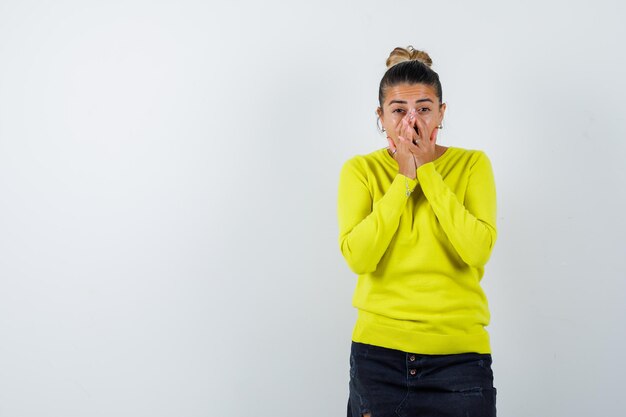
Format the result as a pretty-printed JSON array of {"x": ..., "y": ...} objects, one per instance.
[{"x": 168, "y": 179}]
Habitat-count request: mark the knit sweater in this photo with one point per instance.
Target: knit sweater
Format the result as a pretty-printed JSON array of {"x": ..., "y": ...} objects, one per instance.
[{"x": 419, "y": 258}]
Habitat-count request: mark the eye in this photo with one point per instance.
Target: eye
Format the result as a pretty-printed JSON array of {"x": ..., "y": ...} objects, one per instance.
[
  {"x": 398, "y": 111},
  {"x": 424, "y": 110}
]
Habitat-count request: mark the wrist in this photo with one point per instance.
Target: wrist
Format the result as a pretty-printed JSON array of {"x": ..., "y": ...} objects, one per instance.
[
  {"x": 409, "y": 173},
  {"x": 419, "y": 164}
]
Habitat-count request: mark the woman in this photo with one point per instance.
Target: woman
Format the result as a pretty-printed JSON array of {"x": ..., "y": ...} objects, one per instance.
[{"x": 417, "y": 224}]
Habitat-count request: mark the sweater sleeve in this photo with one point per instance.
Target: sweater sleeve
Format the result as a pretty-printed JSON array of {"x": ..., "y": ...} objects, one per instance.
[
  {"x": 470, "y": 224},
  {"x": 367, "y": 227}
]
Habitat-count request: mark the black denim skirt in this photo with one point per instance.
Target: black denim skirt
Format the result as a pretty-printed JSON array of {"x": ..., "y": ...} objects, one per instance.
[{"x": 387, "y": 382}]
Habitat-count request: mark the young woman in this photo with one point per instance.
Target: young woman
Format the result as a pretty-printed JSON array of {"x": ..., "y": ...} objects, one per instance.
[{"x": 417, "y": 224}]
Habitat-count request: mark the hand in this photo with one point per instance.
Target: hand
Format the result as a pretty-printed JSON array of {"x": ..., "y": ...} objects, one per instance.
[
  {"x": 425, "y": 150},
  {"x": 402, "y": 151}
]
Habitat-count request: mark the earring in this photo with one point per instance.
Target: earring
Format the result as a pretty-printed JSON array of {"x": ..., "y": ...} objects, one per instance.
[
  {"x": 379, "y": 126},
  {"x": 440, "y": 127}
]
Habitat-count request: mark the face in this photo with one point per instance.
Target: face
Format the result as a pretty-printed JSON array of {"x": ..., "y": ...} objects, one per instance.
[{"x": 400, "y": 99}]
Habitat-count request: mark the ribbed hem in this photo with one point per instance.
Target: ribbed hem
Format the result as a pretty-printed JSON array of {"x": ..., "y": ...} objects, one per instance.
[{"x": 377, "y": 330}]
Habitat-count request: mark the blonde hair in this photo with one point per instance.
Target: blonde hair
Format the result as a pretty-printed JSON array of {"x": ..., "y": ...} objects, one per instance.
[{"x": 409, "y": 53}]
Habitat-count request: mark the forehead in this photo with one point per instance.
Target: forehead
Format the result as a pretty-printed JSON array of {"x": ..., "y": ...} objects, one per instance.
[{"x": 410, "y": 93}]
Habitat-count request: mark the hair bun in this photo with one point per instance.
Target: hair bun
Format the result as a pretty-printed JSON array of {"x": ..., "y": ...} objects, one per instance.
[{"x": 399, "y": 55}]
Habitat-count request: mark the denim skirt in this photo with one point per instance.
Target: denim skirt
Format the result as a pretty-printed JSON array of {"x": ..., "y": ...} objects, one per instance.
[{"x": 387, "y": 382}]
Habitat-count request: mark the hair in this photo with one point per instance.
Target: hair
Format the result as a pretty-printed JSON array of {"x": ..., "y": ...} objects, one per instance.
[{"x": 409, "y": 66}]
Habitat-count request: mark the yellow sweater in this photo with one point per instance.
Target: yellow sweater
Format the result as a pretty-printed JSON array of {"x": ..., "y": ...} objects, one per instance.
[{"x": 419, "y": 258}]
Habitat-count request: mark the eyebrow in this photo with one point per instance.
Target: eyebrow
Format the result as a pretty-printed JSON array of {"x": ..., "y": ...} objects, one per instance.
[{"x": 404, "y": 102}]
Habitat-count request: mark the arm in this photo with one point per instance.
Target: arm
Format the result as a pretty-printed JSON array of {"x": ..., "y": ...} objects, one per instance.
[
  {"x": 471, "y": 224},
  {"x": 367, "y": 227}
]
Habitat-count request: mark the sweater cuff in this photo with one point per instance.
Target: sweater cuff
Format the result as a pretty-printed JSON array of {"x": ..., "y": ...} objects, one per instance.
[
  {"x": 430, "y": 179},
  {"x": 403, "y": 182},
  {"x": 426, "y": 170}
]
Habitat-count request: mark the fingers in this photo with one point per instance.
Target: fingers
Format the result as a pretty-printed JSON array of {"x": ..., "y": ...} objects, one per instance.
[
  {"x": 404, "y": 127},
  {"x": 392, "y": 146},
  {"x": 401, "y": 147},
  {"x": 405, "y": 157},
  {"x": 434, "y": 134},
  {"x": 415, "y": 144},
  {"x": 408, "y": 131},
  {"x": 413, "y": 119},
  {"x": 421, "y": 125},
  {"x": 408, "y": 145},
  {"x": 414, "y": 135}
]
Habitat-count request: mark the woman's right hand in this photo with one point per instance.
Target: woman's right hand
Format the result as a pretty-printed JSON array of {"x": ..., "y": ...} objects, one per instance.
[{"x": 401, "y": 150}]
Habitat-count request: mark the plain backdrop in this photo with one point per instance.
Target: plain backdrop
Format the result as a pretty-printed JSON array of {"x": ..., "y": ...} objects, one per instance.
[{"x": 168, "y": 180}]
